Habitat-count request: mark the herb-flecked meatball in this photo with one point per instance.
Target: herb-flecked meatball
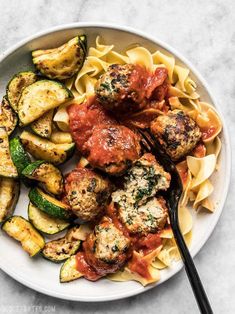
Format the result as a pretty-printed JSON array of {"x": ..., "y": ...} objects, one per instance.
[
  {"x": 147, "y": 218},
  {"x": 87, "y": 193},
  {"x": 176, "y": 132},
  {"x": 126, "y": 87},
  {"x": 106, "y": 249},
  {"x": 112, "y": 148},
  {"x": 120, "y": 82},
  {"x": 139, "y": 210}
]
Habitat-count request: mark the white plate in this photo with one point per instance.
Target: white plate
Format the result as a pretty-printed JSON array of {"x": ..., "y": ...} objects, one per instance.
[{"x": 42, "y": 275}]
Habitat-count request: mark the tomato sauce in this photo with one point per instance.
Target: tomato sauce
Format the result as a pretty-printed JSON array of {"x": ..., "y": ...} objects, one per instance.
[
  {"x": 182, "y": 169},
  {"x": 84, "y": 268},
  {"x": 148, "y": 243},
  {"x": 199, "y": 151},
  {"x": 208, "y": 132},
  {"x": 140, "y": 266}
]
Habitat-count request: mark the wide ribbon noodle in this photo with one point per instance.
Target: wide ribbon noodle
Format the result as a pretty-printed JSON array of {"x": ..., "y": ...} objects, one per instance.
[{"x": 195, "y": 171}]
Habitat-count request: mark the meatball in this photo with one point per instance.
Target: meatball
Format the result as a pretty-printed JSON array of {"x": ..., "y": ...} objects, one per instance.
[
  {"x": 87, "y": 193},
  {"x": 83, "y": 118},
  {"x": 176, "y": 132},
  {"x": 142, "y": 181},
  {"x": 106, "y": 249},
  {"x": 147, "y": 218},
  {"x": 126, "y": 87},
  {"x": 112, "y": 148}
]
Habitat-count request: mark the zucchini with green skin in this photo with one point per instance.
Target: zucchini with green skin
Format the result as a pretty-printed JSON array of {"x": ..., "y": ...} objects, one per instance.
[
  {"x": 45, "y": 223},
  {"x": 46, "y": 150},
  {"x": 63, "y": 62},
  {"x": 7, "y": 167},
  {"x": 21, "y": 230},
  {"x": 58, "y": 137},
  {"x": 68, "y": 271},
  {"x": 49, "y": 204},
  {"x": 59, "y": 250},
  {"x": 9, "y": 193},
  {"x": 43, "y": 125},
  {"x": 17, "y": 84},
  {"x": 40, "y": 97},
  {"x": 19, "y": 156},
  {"x": 47, "y": 174},
  {"x": 8, "y": 117}
]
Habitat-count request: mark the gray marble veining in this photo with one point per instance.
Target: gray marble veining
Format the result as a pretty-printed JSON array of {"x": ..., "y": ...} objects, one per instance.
[{"x": 204, "y": 32}]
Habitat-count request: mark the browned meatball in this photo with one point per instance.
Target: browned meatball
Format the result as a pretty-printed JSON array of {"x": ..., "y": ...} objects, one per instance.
[
  {"x": 112, "y": 148},
  {"x": 106, "y": 249},
  {"x": 87, "y": 193},
  {"x": 126, "y": 87},
  {"x": 176, "y": 132},
  {"x": 84, "y": 117}
]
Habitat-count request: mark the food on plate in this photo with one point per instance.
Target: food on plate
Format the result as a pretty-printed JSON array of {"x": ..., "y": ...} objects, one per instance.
[
  {"x": 16, "y": 86},
  {"x": 43, "y": 125},
  {"x": 8, "y": 117},
  {"x": 44, "y": 149},
  {"x": 68, "y": 271},
  {"x": 63, "y": 62},
  {"x": 125, "y": 87},
  {"x": 112, "y": 148},
  {"x": 49, "y": 204},
  {"x": 83, "y": 118},
  {"x": 21, "y": 230},
  {"x": 59, "y": 250},
  {"x": 40, "y": 97},
  {"x": 20, "y": 157},
  {"x": 9, "y": 193},
  {"x": 87, "y": 193},
  {"x": 147, "y": 218},
  {"x": 49, "y": 177},
  {"x": 106, "y": 249},
  {"x": 143, "y": 180},
  {"x": 7, "y": 167},
  {"x": 176, "y": 132},
  {"x": 44, "y": 222},
  {"x": 117, "y": 191}
]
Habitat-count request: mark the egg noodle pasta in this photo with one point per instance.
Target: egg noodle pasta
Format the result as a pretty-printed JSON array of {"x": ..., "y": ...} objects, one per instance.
[{"x": 195, "y": 171}]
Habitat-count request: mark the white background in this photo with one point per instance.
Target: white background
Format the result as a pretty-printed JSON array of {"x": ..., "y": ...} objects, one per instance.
[{"x": 204, "y": 32}]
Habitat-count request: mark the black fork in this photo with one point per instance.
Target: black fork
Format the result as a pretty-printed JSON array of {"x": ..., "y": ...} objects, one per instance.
[{"x": 172, "y": 196}]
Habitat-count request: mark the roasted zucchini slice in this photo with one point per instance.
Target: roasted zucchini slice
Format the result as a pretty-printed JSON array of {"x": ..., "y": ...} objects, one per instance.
[
  {"x": 45, "y": 150},
  {"x": 43, "y": 125},
  {"x": 63, "y": 62},
  {"x": 17, "y": 84},
  {"x": 49, "y": 204},
  {"x": 58, "y": 137},
  {"x": 21, "y": 230},
  {"x": 8, "y": 117},
  {"x": 7, "y": 167},
  {"x": 47, "y": 174},
  {"x": 45, "y": 223},
  {"x": 19, "y": 156},
  {"x": 59, "y": 250},
  {"x": 9, "y": 193},
  {"x": 40, "y": 97},
  {"x": 68, "y": 271}
]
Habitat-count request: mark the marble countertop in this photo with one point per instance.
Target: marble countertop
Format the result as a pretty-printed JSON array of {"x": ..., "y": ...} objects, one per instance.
[{"x": 204, "y": 32}]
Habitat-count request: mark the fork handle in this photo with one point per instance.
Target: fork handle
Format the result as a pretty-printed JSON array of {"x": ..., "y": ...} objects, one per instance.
[{"x": 198, "y": 290}]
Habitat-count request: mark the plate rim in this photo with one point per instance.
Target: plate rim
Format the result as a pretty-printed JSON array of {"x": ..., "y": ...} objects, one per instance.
[{"x": 179, "y": 265}]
